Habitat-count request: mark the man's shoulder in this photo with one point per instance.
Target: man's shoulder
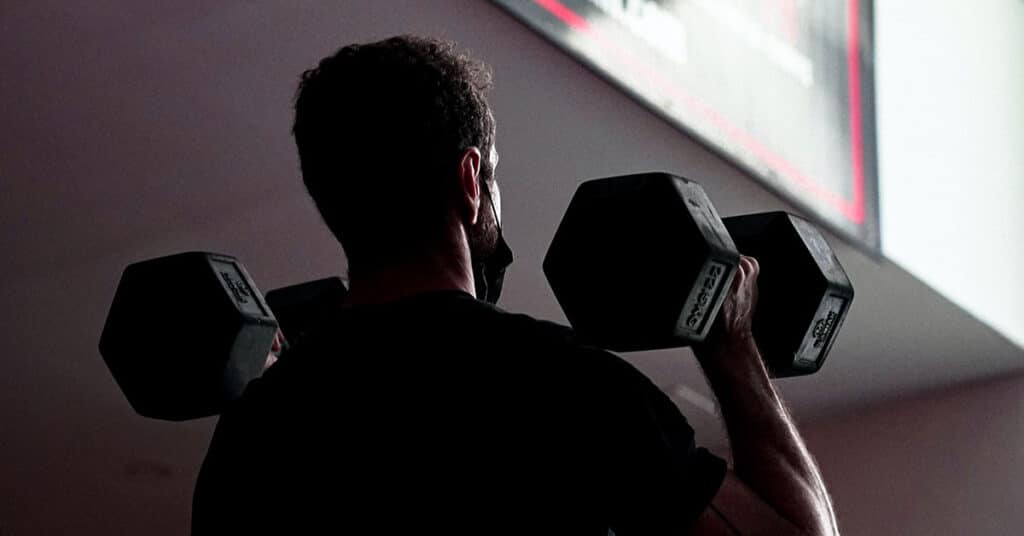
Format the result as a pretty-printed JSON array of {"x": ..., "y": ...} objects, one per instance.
[
  {"x": 519, "y": 324},
  {"x": 563, "y": 343},
  {"x": 515, "y": 328},
  {"x": 446, "y": 311},
  {"x": 453, "y": 323}
]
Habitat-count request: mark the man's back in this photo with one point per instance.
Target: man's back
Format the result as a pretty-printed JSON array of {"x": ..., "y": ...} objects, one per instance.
[{"x": 442, "y": 413}]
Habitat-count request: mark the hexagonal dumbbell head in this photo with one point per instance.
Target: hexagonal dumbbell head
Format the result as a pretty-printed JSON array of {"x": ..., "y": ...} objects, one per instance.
[
  {"x": 185, "y": 334},
  {"x": 641, "y": 262},
  {"x": 803, "y": 291}
]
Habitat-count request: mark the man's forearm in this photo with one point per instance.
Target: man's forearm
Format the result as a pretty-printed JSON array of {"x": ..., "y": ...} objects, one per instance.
[{"x": 768, "y": 454}]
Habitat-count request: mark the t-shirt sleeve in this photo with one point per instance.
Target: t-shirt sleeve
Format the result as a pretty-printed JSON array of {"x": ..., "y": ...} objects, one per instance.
[{"x": 659, "y": 481}]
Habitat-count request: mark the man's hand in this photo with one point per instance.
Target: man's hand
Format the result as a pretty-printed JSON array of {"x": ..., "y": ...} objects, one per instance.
[
  {"x": 275, "y": 349},
  {"x": 734, "y": 324},
  {"x": 730, "y": 348},
  {"x": 769, "y": 457}
]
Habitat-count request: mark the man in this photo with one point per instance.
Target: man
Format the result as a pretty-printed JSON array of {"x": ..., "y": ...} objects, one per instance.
[{"x": 420, "y": 407}]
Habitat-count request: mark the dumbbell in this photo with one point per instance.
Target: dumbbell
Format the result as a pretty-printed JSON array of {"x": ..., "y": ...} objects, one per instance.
[
  {"x": 644, "y": 262},
  {"x": 187, "y": 332}
]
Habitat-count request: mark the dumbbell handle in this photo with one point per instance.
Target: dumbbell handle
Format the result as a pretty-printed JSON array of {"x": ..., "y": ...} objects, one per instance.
[{"x": 300, "y": 308}]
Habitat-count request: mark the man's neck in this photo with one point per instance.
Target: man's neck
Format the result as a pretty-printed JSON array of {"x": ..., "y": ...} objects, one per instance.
[{"x": 435, "y": 273}]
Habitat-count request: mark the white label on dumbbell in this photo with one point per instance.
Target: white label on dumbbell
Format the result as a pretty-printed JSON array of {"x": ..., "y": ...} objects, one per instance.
[
  {"x": 820, "y": 333},
  {"x": 236, "y": 284},
  {"x": 701, "y": 301}
]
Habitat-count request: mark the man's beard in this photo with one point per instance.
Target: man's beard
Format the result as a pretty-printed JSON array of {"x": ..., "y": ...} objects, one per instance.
[
  {"x": 483, "y": 237},
  {"x": 489, "y": 253}
]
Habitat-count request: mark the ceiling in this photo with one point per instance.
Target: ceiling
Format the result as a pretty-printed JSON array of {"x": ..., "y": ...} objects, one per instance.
[{"x": 134, "y": 130}]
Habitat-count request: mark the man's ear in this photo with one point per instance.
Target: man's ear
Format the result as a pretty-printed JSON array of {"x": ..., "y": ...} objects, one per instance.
[{"x": 469, "y": 185}]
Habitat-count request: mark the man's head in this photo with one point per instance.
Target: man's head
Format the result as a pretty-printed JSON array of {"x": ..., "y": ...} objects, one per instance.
[{"x": 391, "y": 135}]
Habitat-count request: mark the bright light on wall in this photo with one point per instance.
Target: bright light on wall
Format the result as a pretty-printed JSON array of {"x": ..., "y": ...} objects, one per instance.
[{"x": 950, "y": 94}]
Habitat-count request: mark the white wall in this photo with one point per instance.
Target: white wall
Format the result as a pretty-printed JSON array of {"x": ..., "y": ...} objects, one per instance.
[
  {"x": 950, "y": 89},
  {"x": 951, "y": 463}
]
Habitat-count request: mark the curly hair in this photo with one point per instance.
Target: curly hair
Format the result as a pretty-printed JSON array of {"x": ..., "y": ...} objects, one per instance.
[{"x": 380, "y": 128}]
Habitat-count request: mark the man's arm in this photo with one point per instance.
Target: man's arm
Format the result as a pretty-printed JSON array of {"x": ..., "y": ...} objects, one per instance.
[{"x": 770, "y": 460}]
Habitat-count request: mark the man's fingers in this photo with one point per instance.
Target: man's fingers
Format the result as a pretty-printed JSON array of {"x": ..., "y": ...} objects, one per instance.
[
  {"x": 737, "y": 280},
  {"x": 750, "y": 266},
  {"x": 280, "y": 343},
  {"x": 746, "y": 274}
]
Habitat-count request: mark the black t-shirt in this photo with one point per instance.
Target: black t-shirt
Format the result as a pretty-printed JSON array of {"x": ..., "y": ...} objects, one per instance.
[{"x": 443, "y": 414}]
